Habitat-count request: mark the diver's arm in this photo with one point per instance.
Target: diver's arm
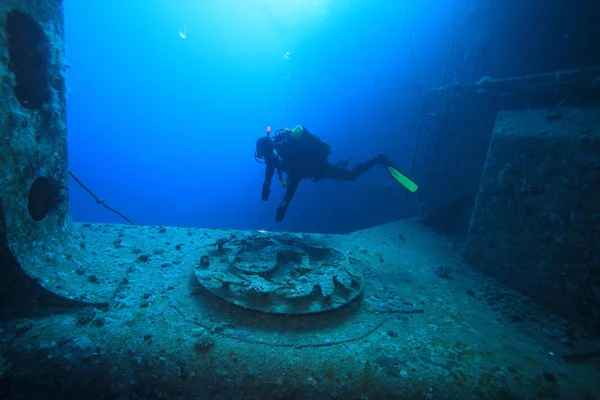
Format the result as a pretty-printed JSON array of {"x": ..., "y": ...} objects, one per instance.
[
  {"x": 266, "y": 190},
  {"x": 289, "y": 194}
]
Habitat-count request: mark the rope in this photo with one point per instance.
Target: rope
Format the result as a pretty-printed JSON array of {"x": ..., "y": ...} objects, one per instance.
[{"x": 98, "y": 200}]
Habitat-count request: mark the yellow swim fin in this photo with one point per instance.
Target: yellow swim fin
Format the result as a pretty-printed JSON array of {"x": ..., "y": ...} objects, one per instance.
[{"x": 403, "y": 179}]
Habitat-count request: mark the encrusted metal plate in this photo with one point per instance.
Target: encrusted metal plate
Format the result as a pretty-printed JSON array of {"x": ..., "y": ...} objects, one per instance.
[{"x": 281, "y": 275}]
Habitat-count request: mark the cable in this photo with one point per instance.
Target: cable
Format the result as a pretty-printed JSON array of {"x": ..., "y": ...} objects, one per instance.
[
  {"x": 419, "y": 105},
  {"x": 412, "y": 48},
  {"x": 421, "y": 102},
  {"x": 98, "y": 200}
]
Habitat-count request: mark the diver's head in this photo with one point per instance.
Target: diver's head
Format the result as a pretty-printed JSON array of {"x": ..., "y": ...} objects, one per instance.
[{"x": 264, "y": 149}]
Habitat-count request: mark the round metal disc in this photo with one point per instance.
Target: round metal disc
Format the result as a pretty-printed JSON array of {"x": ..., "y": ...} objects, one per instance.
[{"x": 282, "y": 275}]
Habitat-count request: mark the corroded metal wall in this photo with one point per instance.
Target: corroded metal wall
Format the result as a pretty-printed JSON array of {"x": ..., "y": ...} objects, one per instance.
[
  {"x": 33, "y": 150},
  {"x": 536, "y": 222}
]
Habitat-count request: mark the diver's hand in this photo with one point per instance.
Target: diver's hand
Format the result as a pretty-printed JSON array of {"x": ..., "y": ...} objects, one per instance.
[
  {"x": 266, "y": 191},
  {"x": 280, "y": 213}
]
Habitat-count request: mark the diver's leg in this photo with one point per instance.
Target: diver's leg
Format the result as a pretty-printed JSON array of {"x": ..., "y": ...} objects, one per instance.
[
  {"x": 287, "y": 197},
  {"x": 343, "y": 174},
  {"x": 342, "y": 163}
]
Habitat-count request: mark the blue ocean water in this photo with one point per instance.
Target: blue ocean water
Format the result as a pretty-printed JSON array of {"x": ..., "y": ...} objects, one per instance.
[{"x": 167, "y": 99}]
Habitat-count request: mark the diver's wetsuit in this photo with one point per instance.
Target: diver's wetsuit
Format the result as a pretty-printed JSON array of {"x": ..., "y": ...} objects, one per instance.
[{"x": 302, "y": 158}]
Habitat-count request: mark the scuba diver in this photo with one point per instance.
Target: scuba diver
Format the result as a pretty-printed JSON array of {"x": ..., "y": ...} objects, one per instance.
[{"x": 299, "y": 154}]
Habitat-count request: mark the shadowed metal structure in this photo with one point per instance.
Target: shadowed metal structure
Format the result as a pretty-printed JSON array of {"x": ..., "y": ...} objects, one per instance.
[{"x": 37, "y": 228}]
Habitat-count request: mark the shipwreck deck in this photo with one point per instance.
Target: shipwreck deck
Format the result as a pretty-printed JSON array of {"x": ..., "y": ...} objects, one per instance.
[{"x": 425, "y": 326}]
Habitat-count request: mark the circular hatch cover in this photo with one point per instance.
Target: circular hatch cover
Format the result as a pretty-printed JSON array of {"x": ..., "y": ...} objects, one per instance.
[{"x": 281, "y": 275}]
